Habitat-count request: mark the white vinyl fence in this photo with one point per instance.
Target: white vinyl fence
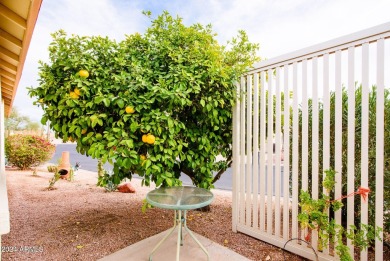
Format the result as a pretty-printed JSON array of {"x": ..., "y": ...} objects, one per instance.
[{"x": 290, "y": 123}]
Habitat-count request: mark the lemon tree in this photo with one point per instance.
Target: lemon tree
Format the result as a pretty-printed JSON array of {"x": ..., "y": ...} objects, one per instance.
[{"x": 157, "y": 104}]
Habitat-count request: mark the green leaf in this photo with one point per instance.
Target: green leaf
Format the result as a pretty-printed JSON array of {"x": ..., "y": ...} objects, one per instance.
[
  {"x": 98, "y": 99},
  {"x": 129, "y": 144},
  {"x": 169, "y": 182},
  {"x": 120, "y": 103},
  {"x": 215, "y": 113},
  {"x": 170, "y": 123},
  {"x": 44, "y": 120},
  {"x": 106, "y": 102},
  {"x": 91, "y": 151},
  {"x": 147, "y": 163},
  {"x": 134, "y": 126},
  {"x": 72, "y": 128},
  {"x": 70, "y": 103},
  {"x": 159, "y": 181}
]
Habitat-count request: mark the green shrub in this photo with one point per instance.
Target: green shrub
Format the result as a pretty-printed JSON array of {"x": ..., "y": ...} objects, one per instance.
[
  {"x": 52, "y": 168},
  {"x": 314, "y": 216},
  {"x": 26, "y": 151},
  {"x": 107, "y": 180},
  {"x": 358, "y": 132}
]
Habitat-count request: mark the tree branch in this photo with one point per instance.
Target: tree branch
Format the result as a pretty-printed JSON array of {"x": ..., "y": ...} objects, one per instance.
[
  {"x": 189, "y": 173},
  {"x": 221, "y": 171}
]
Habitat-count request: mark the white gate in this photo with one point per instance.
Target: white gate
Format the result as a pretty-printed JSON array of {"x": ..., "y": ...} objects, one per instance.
[{"x": 289, "y": 122}]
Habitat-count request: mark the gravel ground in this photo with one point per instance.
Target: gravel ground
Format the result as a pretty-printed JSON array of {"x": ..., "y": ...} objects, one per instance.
[{"x": 79, "y": 221}]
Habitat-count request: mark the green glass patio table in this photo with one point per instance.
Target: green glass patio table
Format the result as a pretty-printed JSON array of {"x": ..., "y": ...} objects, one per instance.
[{"x": 179, "y": 199}]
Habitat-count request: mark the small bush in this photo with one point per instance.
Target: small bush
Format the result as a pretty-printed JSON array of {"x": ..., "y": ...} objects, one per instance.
[
  {"x": 108, "y": 181},
  {"x": 52, "y": 168},
  {"x": 26, "y": 151},
  {"x": 53, "y": 180}
]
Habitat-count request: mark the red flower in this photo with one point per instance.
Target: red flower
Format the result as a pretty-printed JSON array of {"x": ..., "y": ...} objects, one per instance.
[{"x": 363, "y": 192}]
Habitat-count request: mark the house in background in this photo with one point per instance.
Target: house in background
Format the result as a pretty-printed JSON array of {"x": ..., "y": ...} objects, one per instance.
[{"x": 17, "y": 22}]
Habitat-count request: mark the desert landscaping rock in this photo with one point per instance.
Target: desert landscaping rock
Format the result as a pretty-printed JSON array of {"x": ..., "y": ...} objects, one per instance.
[{"x": 126, "y": 188}]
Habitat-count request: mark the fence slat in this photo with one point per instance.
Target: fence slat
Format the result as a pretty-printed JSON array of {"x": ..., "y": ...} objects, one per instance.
[
  {"x": 295, "y": 162},
  {"x": 242, "y": 152},
  {"x": 305, "y": 133},
  {"x": 365, "y": 132},
  {"x": 305, "y": 128},
  {"x": 263, "y": 150},
  {"x": 338, "y": 153},
  {"x": 326, "y": 127},
  {"x": 351, "y": 142},
  {"x": 277, "y": 153},
  {"x": 270, "y": 123},
  {"x": 286, "y": 157},
  {"x": 256, "y": 150},
  {"x": 314, "y": 142},
  {"x": 248, "y": 183},
  {"x": 315, "y": 162},
  {"x": 379, "y": 178},
  {"x": 326, "y": 122},
  {"x": 236, "y": 159}
]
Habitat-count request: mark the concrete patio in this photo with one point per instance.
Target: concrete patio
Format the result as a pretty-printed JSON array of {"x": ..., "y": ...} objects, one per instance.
[{"x": 189, "y": 251}]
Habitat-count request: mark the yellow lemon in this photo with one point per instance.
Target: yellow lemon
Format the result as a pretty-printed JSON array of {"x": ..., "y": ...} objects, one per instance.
[
  {"x": 83, "y": 73},
  {"x": 150, "y": 139},
  {"x": 73, "y": 95},
  {"x": 144, "y": 137},
  {"x": 77, "y": 91},
  {"x": 83, "y": 131},
  {"x": 129, "y": 109}
]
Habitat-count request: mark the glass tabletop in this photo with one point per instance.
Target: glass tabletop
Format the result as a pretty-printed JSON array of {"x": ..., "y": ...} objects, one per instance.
[{"x": 180, "y": 198}]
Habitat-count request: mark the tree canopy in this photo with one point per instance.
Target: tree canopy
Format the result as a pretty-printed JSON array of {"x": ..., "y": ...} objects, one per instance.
[
  {"x": 18, "y": 122},
  {"x": 156, "y": 104}
]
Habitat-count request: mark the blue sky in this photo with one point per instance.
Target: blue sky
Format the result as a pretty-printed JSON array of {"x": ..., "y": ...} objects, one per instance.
[{"x": 279, "y": 26}]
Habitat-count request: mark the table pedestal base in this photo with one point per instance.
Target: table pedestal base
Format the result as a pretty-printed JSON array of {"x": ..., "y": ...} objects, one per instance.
[{"x": 180, "y": 220}]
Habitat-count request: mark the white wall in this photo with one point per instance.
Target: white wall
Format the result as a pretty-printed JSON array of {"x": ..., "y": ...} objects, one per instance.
[{"x": 4, "y": 211}]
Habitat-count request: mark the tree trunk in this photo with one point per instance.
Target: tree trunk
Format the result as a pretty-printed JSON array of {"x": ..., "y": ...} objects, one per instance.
[{"x": 100, "y": 168}]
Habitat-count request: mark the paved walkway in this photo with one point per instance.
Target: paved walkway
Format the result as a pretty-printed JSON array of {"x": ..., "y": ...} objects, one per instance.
[{"x": 190, "y": 251}]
